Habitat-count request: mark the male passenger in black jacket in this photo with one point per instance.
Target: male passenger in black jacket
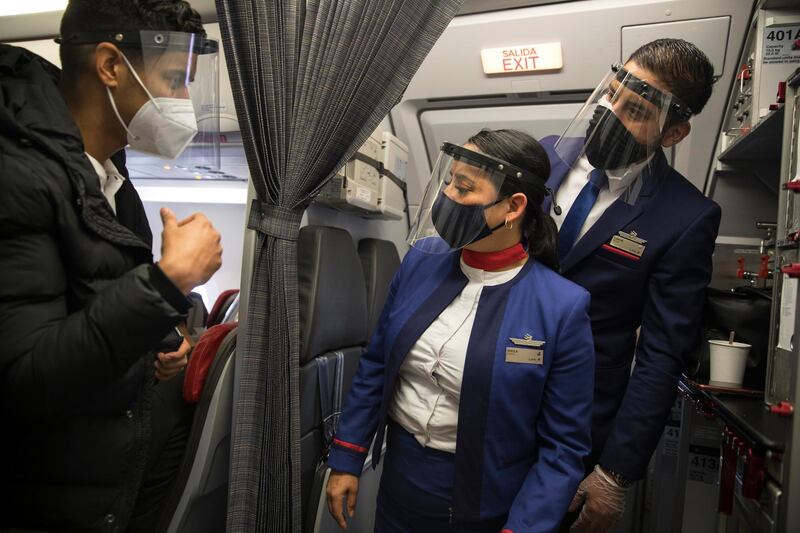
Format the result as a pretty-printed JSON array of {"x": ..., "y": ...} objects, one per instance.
[{"x": 83, "y": 309}]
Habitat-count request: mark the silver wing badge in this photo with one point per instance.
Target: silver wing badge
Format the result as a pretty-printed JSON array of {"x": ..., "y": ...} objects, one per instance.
[{"x": 527, "y": 340}]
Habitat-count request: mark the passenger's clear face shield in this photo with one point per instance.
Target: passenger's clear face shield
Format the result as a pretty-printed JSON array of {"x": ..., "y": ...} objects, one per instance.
[
  {"x": 174, "y": 65},
  {"x": 622, "y": 123},
  {"x": 463, "y": 185}
]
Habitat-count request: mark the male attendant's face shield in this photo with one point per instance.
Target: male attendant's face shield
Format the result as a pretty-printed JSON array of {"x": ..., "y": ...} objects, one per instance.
[
  {"x": 622, "y": 122},
  {"x": 179, "y": 73},
  {"x": 463, "y": 185}
]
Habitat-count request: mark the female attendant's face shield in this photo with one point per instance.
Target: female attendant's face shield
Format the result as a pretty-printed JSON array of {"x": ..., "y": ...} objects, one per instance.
[
  {"x": 622, "y": 122},
  {"x": 463, "y": 185},
  {"x": 175, "y": 65}
]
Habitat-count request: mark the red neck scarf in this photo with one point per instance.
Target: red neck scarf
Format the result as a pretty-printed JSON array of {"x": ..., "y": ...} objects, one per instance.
[{"x": 497, "y": 260}]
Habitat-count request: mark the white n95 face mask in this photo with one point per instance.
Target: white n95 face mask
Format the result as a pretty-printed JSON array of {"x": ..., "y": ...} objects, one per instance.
[{"x": 162, "y": 126}]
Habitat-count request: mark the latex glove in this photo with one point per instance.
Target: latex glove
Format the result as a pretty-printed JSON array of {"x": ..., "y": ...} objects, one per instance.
[
  {"x": 342, "y": 486},
  {"x": 603, "y": 503},
  {"x": 169, "y": 364}
]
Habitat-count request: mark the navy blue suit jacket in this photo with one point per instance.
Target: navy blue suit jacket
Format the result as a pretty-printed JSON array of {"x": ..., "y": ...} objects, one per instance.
[{"x": 663, "y": 292}]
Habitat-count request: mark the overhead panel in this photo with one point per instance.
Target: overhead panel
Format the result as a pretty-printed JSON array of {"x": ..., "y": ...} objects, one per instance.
[
  {"x": 591, "y": 35},
  {"x": 458, "y": 125},
  {"x": 31, "y": 25},
  {"x": 709, "y": 34},
  {"x": 482, "y": 6},
  {"x": 45, "y": 48}
]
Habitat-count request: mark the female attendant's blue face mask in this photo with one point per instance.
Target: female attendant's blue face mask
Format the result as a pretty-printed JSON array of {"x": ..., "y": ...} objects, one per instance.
[
  {"x": 458, "y": 224},
  {"x": 464, "y": 184}
]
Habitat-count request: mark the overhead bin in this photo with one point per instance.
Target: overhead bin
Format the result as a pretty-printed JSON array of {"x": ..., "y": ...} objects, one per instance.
[
  {"x": 372, "y": 184},
  {"x": 709, "y": 34},
  {"x": 458, "y": 125}
]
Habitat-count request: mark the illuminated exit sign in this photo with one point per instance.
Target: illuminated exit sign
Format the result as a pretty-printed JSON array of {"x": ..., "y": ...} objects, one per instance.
[{"x": 527, "y": 58}]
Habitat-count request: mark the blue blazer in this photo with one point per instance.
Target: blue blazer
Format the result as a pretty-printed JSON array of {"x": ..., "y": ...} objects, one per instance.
[
  {"x": 663, "y": 292},
  {"x": 523, "y": 430}
]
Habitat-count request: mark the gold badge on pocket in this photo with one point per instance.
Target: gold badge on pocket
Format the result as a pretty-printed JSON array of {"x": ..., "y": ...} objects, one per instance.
[{"x": 526, "y": 356}]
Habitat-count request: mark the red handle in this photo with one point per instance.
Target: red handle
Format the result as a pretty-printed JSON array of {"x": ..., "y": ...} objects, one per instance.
[
  {"x": 763, "y": 272},
  {"x": 754, "y": 473},
  {"x": 740, "y": 270},
  {"x": 781, "y": 92},
  {"x": 792, "y": 270},
  {"x": 783, "y": 408},
  {"x": 727, "y": 478},
  {"x": 744, "y": 72}
]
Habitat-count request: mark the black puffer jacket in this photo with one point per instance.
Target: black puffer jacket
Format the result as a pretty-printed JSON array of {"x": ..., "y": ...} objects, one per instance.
[{"x": 82, "y": 310}]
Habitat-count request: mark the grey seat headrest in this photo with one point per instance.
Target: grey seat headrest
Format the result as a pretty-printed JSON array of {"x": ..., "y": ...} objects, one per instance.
[
  {"x": 380, "y": 261},
  {"x": 332, "y": 292}
]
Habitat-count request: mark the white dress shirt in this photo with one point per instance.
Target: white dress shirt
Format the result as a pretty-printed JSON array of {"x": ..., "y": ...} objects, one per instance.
[
  {"x": 110, "y": 180},
  {"x": 578, "y": 177},
  {"x": 428, "y": 388}
]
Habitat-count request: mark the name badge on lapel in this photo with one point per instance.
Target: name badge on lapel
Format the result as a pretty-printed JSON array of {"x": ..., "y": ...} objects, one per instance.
[
  {"x": 628, "y": 244},
  {"x": 526, "y": 350}
]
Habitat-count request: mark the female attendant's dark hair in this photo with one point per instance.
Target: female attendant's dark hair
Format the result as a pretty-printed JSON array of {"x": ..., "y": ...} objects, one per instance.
[{"x": 520, "y": 149}]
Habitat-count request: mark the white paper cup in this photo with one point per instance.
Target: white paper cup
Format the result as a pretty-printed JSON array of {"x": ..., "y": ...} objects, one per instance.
[{"x": 728, "y": 362}]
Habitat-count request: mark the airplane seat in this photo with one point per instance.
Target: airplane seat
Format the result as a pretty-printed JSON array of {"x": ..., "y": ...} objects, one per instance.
[
  {"x": 333, "y": 333},
  {"x": 198, "y": 501},
  {"x": 221, "y": 305},
  {"x": 380, "y": 261},
  {"x": 232, "y": 313},
  {"x": 201, "y": 359},
  {"x": 197, "y": 316}
]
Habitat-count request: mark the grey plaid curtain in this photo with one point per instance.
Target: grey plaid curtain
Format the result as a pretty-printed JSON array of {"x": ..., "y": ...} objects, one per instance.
[{"x": 311, "y": 79}]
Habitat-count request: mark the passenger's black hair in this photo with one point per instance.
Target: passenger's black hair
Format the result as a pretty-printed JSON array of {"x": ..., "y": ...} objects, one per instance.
[
  {"x": 522, "y": 150},
  {"x": 94, "y": 16},
  {"x": 685, "y": 69}
]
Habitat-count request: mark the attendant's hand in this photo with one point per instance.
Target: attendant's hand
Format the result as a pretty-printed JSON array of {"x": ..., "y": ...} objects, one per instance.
[
  {"x": 169, "y": 364},
  {"x": 190, "y": 250},
  {"x": 603, "y": 503},
  {"x": 342, "y": 486}
]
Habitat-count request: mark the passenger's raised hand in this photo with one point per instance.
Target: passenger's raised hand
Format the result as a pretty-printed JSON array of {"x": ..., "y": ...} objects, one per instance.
[{"x": 190, "y": 250}]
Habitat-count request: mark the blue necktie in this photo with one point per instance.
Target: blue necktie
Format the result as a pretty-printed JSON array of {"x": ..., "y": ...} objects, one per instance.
[{"x": 574, "y": 220}]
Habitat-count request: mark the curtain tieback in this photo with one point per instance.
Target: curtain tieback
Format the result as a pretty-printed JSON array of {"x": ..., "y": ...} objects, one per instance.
[{"x": 279, "y": 222}]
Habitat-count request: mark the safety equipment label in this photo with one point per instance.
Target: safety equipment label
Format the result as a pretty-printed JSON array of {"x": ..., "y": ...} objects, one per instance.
[{"x": 781, "y": 44}]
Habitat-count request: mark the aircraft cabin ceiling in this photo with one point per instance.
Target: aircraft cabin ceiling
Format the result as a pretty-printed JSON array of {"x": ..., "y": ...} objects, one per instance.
[
  {"x": 482, "y": 6},
  {"x": 44, "y": 24}
]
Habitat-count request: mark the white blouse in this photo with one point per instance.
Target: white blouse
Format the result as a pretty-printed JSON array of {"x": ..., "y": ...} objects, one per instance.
[{"x": 428, "y": 388}]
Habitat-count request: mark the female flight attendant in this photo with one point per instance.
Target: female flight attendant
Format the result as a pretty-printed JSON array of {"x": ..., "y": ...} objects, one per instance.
[{"x": 482, "y": 365}]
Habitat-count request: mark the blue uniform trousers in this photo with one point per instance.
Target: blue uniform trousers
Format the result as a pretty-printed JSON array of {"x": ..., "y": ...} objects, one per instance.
[{"x": 416, "y": 490}]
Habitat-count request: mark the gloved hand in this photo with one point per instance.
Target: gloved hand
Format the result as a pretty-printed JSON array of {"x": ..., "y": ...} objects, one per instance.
[{"x": 603, "y": 503}]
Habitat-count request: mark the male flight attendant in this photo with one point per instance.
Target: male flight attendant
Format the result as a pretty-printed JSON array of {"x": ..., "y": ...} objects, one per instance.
[{"x": 639, "y": 237}]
